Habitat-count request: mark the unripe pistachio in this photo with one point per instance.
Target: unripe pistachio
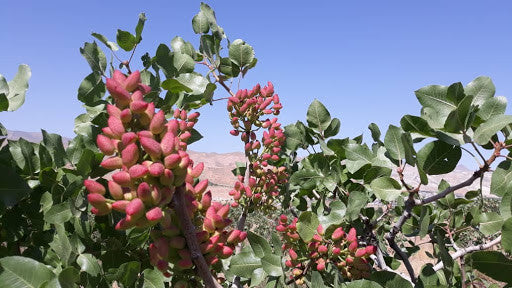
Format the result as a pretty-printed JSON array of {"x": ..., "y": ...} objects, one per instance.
[
  {"x": 154, "y": 214},
  {"x": 118, "y": 76},
  {"x": 115, "y": 190},
  {"x": 156, "y": 169},
  {"x": 138, "y": 106},
  {"x": 157, "y": 124},
  {"x": 132, "y": 81},
  {"x": 151, "y": 147},
  {"x": 353, "y": 246},
  {"x": 105, "y": 145},
  {"x": 352, "y": 236},
  {"x": 94, "y": 187},
  {"x": 120, "y": 205},
  {"x": 130, "y": 154},
  {"x": 138, "y": 171},
  {"x": 112, "y": 163},
  {"x": 168, "y": 143},
  {"x": 184, "y": 264},
  {"x": 337, "y": 234},
  {"x": 126, "y": 116},
  {"x": 116, "y": 126},
  {"x": 122, "y": 178}
]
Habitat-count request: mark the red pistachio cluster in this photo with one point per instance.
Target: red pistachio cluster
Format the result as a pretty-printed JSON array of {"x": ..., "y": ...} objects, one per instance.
[
  {"x": 249, "y": 111},
  {"x": 149, "y": 159},
  {"x": 339, "y": 248}
]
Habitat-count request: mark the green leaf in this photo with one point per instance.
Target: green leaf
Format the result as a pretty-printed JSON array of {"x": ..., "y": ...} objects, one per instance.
[
  {"x": 481, "y": 89},
  {"x": 228, "y": 68},
  {"x": 294, "y": 137},
  {"x": 307, "y": 225},
  {"x": 13, "y": 188},
  {"x": 357, "y": 156},
  {"x": 111, "y": 45},
  {"x": 438, "y": 157},
  {"x": 24, "y": 155},
  {"x": 153, "y": 279},
  {"x": 506, "y": 234},
  {"x": 126, "y": 274},
  {"x": 181, "y": 46},
  {"x": 410, "y": 152},
  {"x": 140, "y": 27},
  {"x": 490, "y": 223},
  {"x": 258, "y": 275},
  {"x": 415, "y": 124},
  {"x": 4, "y": 102},
  {"x": 386, "y": 188},
  {"x": 333, "y": 128},
  {"x": 91, "y": 89},
  {"x": 306, "y": 178},
  {"x": 58, "y": 214},
  {"x": 54, "y": 144},
  {"x": 175, "y": 86},
  {"x": 126, "y": 40},
  {"x": 445, "y": 255},
  {"x": 200, "y": 23},
  {"x": 4, "y": 88},
  {"x": 259, "y": 245},
  {"x": 363, "y": 283},
  {"x": 389, "y": 279},
  {"x": 183, "y": 63},
  {"x": 244, "y": 263},
  {"x": 197, "y": 83},
  {"x": 356, "y": 201},
  {"x": 455, "y": 92},
  {"x": 486, "y": 130},
  {"x": 61, "y": 245},
  {"x": 460, "y": 119},
  {"x": 241, "y": 53},
  {"x": 335, "y": 216},
  {"x": 272, "y": 265},
  {"x": 374, "y": 129},
  {"x": 89, "y": 264},
  {"x": 506, "y": 205},
  {"x": 317, "y": 116},
  {"x": 424, "y": 221},
  {"x": 501, "y": 180},
  {"x": 94, "y": 56},
  {"x": 19, "y": 271},
  {"x": 18, "y": 87},
  {"x": 436, "y": 105},
  {"x": 492, "y": 107},
  {"x": 68, "y": 277},
  {"x": 393, "y": 143},
  {"x": 209, "y": 45},
  {"x": 316, "y": 280},
  {"x": 492, "y": 264},
  {"x": 164, "y": 59}
]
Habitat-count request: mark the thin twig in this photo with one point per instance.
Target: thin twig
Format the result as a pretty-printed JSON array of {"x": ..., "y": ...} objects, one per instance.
[
  {"x": 189, "y": 231},
  {"x": 463, "y": 251}
]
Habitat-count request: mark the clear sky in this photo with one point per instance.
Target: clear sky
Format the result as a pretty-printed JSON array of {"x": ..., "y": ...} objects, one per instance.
[{"x": 362, "y": 59}]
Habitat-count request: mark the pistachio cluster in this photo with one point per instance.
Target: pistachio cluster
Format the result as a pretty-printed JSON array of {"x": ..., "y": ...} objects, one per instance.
[
  {"x": 338, "y": 248},
  {"x": 147, "y": 154},
  {"x": 249, "y": 112}
]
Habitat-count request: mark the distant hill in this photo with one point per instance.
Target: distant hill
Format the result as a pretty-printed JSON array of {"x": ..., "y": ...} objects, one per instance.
[{"x": 218, "y": 168}]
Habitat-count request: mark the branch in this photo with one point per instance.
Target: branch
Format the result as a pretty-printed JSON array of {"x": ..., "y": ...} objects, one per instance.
[
  {"x": 218, "y": 79},
  {"x": 379, "y": 259},
  {"x": 477, "y": 174},
  {"x": 464, "y": 251},
  {"x": 189, "y": 231}
]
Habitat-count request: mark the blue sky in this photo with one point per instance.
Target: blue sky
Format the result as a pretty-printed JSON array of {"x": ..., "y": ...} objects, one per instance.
[{"x": 362, "y": 59}]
